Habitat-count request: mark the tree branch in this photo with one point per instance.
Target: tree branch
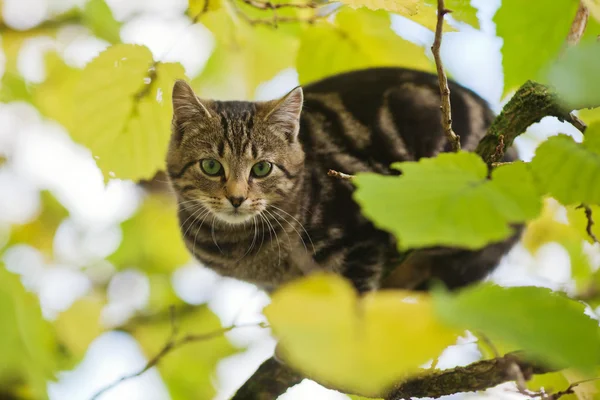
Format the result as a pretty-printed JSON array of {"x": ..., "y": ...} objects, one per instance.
[
  {"x": 453, "y": 138},
  {"x": 590, "y": 222},
  {"x": 532, "y": 102},
  {"x": 173, "y": 343},
  {"x": 273, "y": 378},
  {"x": 579, "y": 24}
]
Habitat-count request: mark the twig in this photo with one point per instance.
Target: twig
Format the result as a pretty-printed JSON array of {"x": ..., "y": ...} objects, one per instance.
[
  {"x": 171, "y": 344},
  {"x": 442, "y": 79},
  {"x": 339, "y": 175},
  {"x": 590, "y": 222},
  {"x": 275, "y": 20},
  {"x": 578, "y": 26},
  {"x": 569, "y": 390}
]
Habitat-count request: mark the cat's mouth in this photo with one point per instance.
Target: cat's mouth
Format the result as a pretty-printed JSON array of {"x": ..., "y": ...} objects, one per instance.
[{"x": 235, "y": 217}]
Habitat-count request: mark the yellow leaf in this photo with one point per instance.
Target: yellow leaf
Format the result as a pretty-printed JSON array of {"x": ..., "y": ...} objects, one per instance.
[
  {"x": 405, "y": 7},
  {"x": 123, "y": 111},
  {"x": 359, "y": 345},
  {"x": 199, "y": 7},
  {"x": 357, "y": 39},
  {"x": 579, "y": 221},
  {"x": 78, "y": 326}
]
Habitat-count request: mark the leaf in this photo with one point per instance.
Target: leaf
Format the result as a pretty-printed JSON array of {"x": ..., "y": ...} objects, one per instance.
[
  {"x": 27, "y": 343},
  {"x": 99, "y": 18},
  {"x": 570, "y": 171},
  {"x": 362, "y": 345},
  {"x": 578, "y": 220},
  {"x": 78, "y": 326},
  {"x": 590, "y": 116},
  {"x": 14, "y": 88},
  {"x": 575, "y": 76},
  {"x": 54, "y": 96},
  {"x": 448, "y": 200},
  {"x": 358, "y": 39},
  {"x": 550, "y": 383},
  {"x": 552, "y": 327},
  {"x": 244, "y": 57},
  {"x": 39, "y": 232},
  {"x": 198, "y": 7},
  {"x": 123, "y": 111},
  {"x": 594, "y": 8},
  {"x": 187, "y": 370},
  {"x": 151, "y": 238},
  {"x": 530, "y": 41},
  {"x": 405, "y": 7},
  {"x": 547, "y": 229}
]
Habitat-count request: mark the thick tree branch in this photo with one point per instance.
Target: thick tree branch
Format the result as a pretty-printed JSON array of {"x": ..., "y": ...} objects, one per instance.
[
  {"x": 272, "y": 379},
  {"x": 532, "y": 102},
  {"x": 453, "y": 138}
]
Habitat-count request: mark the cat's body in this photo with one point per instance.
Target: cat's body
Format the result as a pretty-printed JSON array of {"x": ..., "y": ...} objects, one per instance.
[{"x": 300, "y": 219}]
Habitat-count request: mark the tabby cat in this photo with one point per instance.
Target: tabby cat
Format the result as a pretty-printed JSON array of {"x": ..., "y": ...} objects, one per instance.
[{"x": 256, "y": 202}]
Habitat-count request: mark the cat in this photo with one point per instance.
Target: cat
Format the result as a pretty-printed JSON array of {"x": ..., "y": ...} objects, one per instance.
[{"x": 255, "y": 199}]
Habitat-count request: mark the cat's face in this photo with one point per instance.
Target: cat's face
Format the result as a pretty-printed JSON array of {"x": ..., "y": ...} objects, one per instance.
[{"x": 234, "y": 160}]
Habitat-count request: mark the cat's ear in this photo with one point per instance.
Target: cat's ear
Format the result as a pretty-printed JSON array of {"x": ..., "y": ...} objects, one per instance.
[
  {"x": 284, "y": 113},
  {"x": 186, "y": 105}
]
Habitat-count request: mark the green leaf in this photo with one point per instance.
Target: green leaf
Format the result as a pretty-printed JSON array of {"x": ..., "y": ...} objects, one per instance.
[
  {"x": 405, "y": 7},
  {"x": 361, "y": 344},
  {"x": 123, "y": 111},
  {"x": 575, "y": 76},
  {"x": 533, "y": 31},
  {"x": 54, "y": 96},
  {"x": 244, "y": 57},
  {"x": 188, "y": 370},
  {"x": 594, "y": 8},
  {"x": 448, "y": 200},
  {"x": 590, "y": 116},
  {"x": 570, "y": 171},
  {"x": 357, "y": 39},
  {"x": 198, "y": 7},
  {"x": 99, "y": 18},
  {"x": 27, "y": 343},
  {"x": 550, "y": 326},
  {"x": 147, "y": 247},
  {"x": 14, "y": 88}
]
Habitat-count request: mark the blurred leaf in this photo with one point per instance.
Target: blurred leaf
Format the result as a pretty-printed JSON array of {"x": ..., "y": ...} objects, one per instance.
[
  {"x": 550, "y": 383},
  {"x": 98, "y": 16},
  {"x": 39, "y": 232},
  {"x": 594, "y": 8},
  {"x": 78, "y": 326},
  {"x": 187, "y": 370},
  {"x": 54, "y": 96},
  {"x": 575, "y": 75},
  {"x": 550, "y": 326},
  {"x": 568, "y": 170},
  {"x": 533, "y": 31},
  {"x": 14, "y": 88},
  {"x": 364, "y": 345},
  {"x": 244, "y": 57},
  {"x": 122, "y": 108},
  {"x": 12, "y": 42},
  {"x": 448, "y": 200},
  {"x": 151, "y": 238},
  {"x": 27, "y": 343},
  {"x": 162, "y": 293},
  {"x": 546, "y": 229},
  {"x": 579, "y": 221},
  {"x": 199, "y": 7},
  {"x": 358, "y": 39},
  {"x": 405, "y": 7},
  {"x": 590, "y": 116},
  {"x": 462, "y": 10}
]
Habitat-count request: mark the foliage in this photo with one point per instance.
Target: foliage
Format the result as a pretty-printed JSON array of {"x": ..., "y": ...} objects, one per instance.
[
  {"x": 361, "y": 345},
  {"x": 118, "y": 107},
  {"x": 456, "y": 204}
]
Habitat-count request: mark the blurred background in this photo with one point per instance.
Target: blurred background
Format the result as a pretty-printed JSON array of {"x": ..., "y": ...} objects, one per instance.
[{"x": 104, "y": 259}]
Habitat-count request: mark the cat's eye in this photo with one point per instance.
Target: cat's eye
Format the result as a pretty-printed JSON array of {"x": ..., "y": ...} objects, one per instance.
[
  {"x": 211, "y": 167},
  {"x": 261, "y": 169}
]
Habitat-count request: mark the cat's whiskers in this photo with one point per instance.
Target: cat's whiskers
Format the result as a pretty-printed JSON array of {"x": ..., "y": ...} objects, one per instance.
[
  {"x": 206, "y": 214},
  {"x": 301, "y": 226},
  {"x": 262, "y": 224},
  {"x": 293, "y": 227},
  {"x": 282, "y": 228},
  {"x": 212, "y": 233},
  {"x": 253, "y": 239},
  {"x": 199, "y": 207},
  {"x": 276, "y": 238}
]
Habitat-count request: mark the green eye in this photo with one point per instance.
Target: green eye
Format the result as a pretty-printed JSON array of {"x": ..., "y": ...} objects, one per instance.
[
  {"x": 211, "y": 166},
  {"x": 262, "y": 169}
]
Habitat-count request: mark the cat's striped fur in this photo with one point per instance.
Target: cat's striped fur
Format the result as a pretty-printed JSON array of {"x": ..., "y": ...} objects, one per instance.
[{"x": 302, "y": 219}]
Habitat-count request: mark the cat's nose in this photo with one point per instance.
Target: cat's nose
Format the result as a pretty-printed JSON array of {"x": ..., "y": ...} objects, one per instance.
[{"x": 236, "y": 201}]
